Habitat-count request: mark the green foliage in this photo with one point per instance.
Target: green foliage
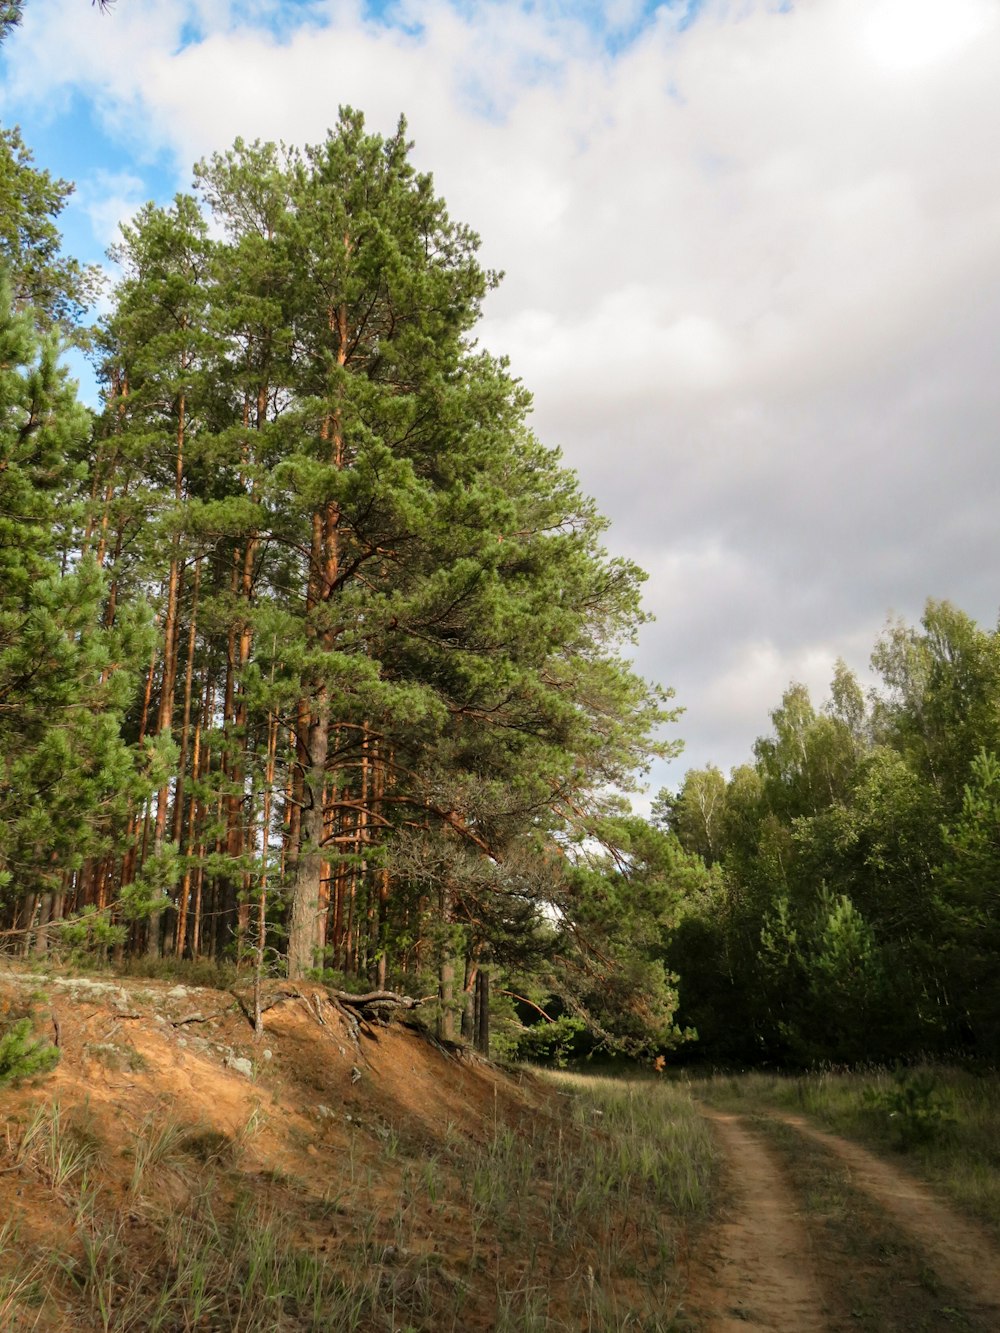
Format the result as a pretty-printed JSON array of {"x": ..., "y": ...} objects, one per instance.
[
  {"x": 917, "y": 1107},
  {"x": 696, "y": 813},
  {"x": 51, "y": 288},
  {"x": 550, "y": 1042},
  {"x": 856, "y": 916},
  {"x": 386, "y": 559},
  {"x": 22, "y": 1056},
  {"x": 152, "y": 885},
  {"x": 10, "y": 17},
  {"x": 89, "y": 936},
  {"x": 64, "y": 680},
  {"x": 622, "y": 896}
]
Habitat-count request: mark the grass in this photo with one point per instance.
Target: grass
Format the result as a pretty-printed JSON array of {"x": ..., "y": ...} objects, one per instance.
[
  {"x": 57, "y": 1149},
  {"x": 622, "y": 1177},
  {"x": 951, "y": 1136},
  {"x": 563, "y": 1219}
]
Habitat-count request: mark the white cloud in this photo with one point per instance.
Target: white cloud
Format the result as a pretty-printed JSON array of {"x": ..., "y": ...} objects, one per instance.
[
  {"x": 753, "y": 274},
  {"x": 110, "y": 198},
  {"x": 904, "y": 36}
]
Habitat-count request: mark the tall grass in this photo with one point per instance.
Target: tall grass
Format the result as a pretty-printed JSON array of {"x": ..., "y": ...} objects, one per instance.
[{"x": 606, "y": 1191}]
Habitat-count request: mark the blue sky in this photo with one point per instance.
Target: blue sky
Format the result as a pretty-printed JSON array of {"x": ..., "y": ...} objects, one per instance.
[{"x": 752, "y": 258}]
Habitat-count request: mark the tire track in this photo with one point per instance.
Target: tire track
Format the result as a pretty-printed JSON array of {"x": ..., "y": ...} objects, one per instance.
[
  {"x": 758, "y": 1271},
  {"x": 957, "y": 1250}
]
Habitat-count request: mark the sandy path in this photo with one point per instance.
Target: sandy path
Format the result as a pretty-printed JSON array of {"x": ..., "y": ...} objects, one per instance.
[
  {"x": 957, "y": 1250},
  {"x": 758, "y": 1271}
]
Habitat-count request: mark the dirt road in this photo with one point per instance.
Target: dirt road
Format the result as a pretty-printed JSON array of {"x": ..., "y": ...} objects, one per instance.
[
  {"x": 758, "y": 1270},
  {"x": 820, "y": 1234}
]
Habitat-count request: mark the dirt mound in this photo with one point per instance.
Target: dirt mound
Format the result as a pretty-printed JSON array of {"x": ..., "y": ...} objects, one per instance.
[
  {"x": 165, "y": 1114},
  {"x": 131, "y": 1047}
]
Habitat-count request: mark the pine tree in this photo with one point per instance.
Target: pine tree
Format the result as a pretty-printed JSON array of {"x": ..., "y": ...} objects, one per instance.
[
  {"x": 22, "y": 1056},
  {"x": 55, "y": 289},
  {"x": 63, "y": 681},
  {"x": 396, "y": 650}
]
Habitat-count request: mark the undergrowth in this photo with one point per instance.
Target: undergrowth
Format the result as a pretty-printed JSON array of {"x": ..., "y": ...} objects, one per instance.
[{"x": 23, "y": 1056}]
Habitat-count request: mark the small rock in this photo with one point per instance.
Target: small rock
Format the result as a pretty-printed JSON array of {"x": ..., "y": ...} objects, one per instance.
[
  {"x": 323, "y": 1112},
  {"x": 241, "y": 1064},
  {"x": 265, "y": 1054},
  {"x": 177, "y": 992},
  {"x": 355, "y": 1074}
]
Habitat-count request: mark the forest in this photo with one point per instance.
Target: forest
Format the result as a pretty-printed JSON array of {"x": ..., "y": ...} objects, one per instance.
[{"x": 313, "y": 661}]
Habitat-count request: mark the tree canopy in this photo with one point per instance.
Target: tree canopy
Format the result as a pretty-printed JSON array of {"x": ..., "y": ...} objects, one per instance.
[
  {"x": 312, "y": 659},
  {"x": 346, "y": 626},
  {"x": 854, "y": 914}
]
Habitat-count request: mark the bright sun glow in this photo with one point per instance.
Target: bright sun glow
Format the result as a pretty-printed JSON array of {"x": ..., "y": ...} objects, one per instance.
[{"x": 904, "y": 35}]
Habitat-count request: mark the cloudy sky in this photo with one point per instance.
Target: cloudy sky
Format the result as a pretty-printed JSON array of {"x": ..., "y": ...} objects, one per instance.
[{"x": 753, "y": 270}]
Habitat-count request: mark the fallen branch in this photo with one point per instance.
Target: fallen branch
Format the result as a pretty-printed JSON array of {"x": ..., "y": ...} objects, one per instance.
[{"x": 380, "y": 997}]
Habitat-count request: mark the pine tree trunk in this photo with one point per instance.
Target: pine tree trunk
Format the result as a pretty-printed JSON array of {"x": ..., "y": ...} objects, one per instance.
[
  {"x": 323, "y": 568},
  {"x": 446, "y": 995},
  {"x": 483, "y": 1011},
  {"x": 306, "y": 885},
  {"x": 469, "y": 1000}
]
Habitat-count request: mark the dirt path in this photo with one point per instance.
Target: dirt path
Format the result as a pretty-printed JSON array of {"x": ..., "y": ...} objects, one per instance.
[
  {"x": 759, "y": 1270},
  {"x": 956, "y": 1249}
]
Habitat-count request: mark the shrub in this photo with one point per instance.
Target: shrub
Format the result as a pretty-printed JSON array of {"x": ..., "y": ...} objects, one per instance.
[
  {"x": 916, "y": 1108},
  {"x": 23, "y": 1056}
]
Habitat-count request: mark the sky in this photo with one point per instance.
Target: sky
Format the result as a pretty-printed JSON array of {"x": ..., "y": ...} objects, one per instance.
[{"x": 752, "y": 259}]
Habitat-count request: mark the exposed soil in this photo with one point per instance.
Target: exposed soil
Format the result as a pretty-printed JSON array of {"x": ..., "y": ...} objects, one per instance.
[
  {"x": 757, "y": 1270},
  {"x": 821, "y": 1234},
  {"x": 173, "y": 1173},
  {"x": 327, "y": 1123}
]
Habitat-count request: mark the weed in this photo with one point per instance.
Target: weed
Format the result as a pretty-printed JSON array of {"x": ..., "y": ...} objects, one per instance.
[
  {"x": 56, "y": 1149},
  {"x": 21, "y": 1290},
  {"x": 159, "y": 1142}
]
